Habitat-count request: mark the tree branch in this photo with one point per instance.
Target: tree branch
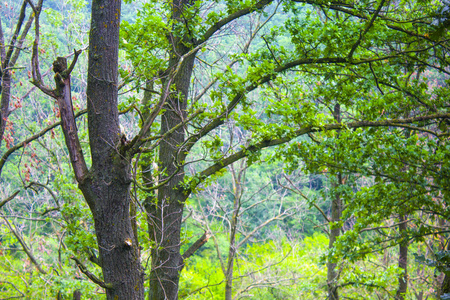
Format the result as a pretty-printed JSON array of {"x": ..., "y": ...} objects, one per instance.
[
  {"x": 350, "y": 54},
  {"x": 308, "y": 129},
  {"x": 24, "y": 246},
  {"x": 195, "y": 246},
  {"x": 214, "y": 28},
  {"x": 299, "y": 192},
  {"x": 32, "y": 138},
  {"x": 270, "y": 75},
  {"x": 18, "y": 47},
  {"x": 35, "y": 71},
  {"x": 12, "y": 196},
  {"x": 22, "y": 295},
  {"x": 91, "y": 276},
  {"x": 12, "y": 43},
  {"x": 69, "y": 126}
]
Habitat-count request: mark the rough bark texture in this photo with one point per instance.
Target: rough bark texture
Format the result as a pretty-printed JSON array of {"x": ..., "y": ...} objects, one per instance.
[
  {"x": 106, "y": 188},
  {"x": 167, "y": 261},
  {"x": 402, "y": 261}
]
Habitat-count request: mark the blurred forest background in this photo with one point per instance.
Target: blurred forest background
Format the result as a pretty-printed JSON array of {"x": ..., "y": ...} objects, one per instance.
[{"x": 348, "y": 201}]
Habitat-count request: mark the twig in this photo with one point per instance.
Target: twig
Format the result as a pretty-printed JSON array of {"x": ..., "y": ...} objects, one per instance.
[
  {"x": 13, "y": 195},
  {"x": 24, "y": 246}
]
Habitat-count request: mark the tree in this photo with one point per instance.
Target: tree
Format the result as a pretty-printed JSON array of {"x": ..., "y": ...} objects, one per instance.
[
  {"x": 106, "y": 185},
  {"x": 265, "y": 67},
  {"x": 337, "y": 43}
]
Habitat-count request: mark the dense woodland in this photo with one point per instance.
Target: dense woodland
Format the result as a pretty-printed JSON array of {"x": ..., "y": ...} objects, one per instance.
[{"x": 289, "y": 149}]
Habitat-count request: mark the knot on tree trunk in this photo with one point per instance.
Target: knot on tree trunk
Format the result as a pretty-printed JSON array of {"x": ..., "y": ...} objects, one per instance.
[{"x": 60, "y": 65}]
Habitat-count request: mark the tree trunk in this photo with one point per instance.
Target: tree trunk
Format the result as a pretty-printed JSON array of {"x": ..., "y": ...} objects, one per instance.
[
  {"x": 5, "y": 98},
  {"x": 332, "y": 276},
  {"x": 167, "y": 261},
  {"x": 237, "y": 187},
  {"x": 106, "y": 188},
  {"x": 168, "y": 213},
  {"x": 402, "y": 261},
  {"x": 336, "y": 210},
  {"x": 445, "y": 285},
  {"x": 77, "y": 295},
  {"x": 9, "y": 54}
]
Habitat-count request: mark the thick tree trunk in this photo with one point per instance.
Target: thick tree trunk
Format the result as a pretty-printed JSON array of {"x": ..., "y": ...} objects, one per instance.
[
  {"x": 117, "y": 244},
  {"x": 402, "y": 262},
  {"x": 106, "y": 185},
  {"x": 106, "y": 188}
]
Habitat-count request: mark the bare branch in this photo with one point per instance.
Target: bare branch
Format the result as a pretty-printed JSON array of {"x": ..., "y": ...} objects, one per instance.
[
  {"x": 195, "y": 246},
  {"x": 12, "y": 297},
  {"x": 32, "y": 138},
  {"x": 12, "y": 196},
  {"x": 67, "y": 72},
  {"x": 216, "y": 27},
  {"x": 69, "y": 126},
  {"x": 18, "y": 47},
  {"x": 12, "y": 43},
  {"x": 91, "y": 276},
  {"x": 299, "y": 192},
  {"x": 35, "y": 71},
  {"x": 24, "y": 246}
]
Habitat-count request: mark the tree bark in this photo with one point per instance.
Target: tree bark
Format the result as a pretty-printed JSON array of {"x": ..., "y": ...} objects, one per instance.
[
  {"x": 336, "y": 211},
  {"x": 107, "y": 186},
  {"x": 77, "y": 295},
  {"x": 332, "y": 275},
  {"x": 167, "y": 261},
  {"x": 445, "y": 285},
  {"x": 402, "y": 261},
  {"x": 238, "y": 179},
  {"x": 8, "y": 61},
  {"x": 5, "y": 99}
]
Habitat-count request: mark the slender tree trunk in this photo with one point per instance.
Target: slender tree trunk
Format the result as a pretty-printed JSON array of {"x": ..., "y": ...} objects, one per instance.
[
  {"x": 9, "y": 53},
  {"x": 237, "y": 187},
  {"x": 5, "y": 98},
  {"x": 332, "y": 275},
  {"x": 167, "y": 261},
  {"x": 402, "y": 261},
  {"x": 445, "y": 285},
  {"x": 336, "y": 210},
  {"x": 231, "y": 254}
]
